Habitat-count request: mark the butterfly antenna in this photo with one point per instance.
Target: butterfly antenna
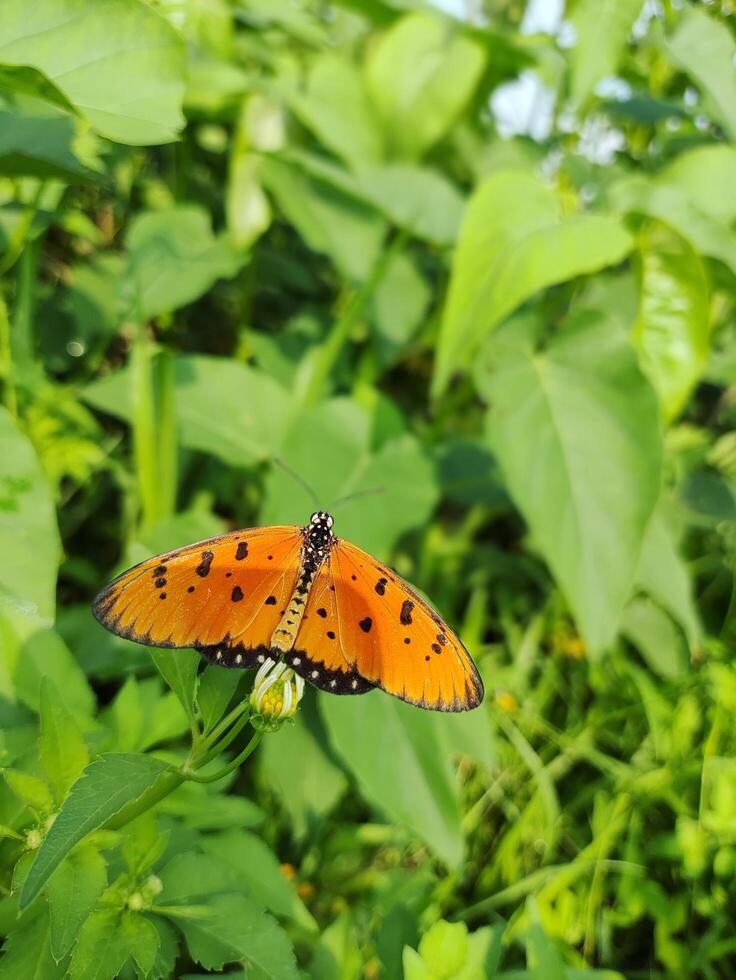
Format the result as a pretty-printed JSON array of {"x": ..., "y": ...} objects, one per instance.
[
  {"x": 352, "y": 496},
  {"x": 299, "y": 479}
]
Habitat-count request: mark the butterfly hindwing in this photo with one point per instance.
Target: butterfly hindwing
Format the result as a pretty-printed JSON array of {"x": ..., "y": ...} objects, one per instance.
[
  {"x": 227, "y": 593},
  {"x": 365, "y": 622}
]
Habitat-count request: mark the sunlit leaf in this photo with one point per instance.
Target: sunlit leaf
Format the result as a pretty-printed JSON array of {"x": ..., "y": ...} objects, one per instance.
[
  {"x": 553, "y": 408},
  {"x": 117, "y": 61}
]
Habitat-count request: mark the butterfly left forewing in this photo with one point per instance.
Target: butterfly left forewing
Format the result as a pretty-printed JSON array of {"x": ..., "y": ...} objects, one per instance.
[{"x": 223, "y": 593}]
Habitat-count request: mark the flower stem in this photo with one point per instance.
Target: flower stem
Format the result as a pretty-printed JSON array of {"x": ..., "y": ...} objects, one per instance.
[{"x": 237, "y": 761}]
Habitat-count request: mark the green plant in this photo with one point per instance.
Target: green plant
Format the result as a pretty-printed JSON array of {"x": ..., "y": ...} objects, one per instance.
[{"x": 306, "y": 232}]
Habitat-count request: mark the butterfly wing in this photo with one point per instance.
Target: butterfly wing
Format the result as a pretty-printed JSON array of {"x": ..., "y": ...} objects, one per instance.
[
  {"x": 364, "y": 620},
  {"x": 225, "y": 595}
]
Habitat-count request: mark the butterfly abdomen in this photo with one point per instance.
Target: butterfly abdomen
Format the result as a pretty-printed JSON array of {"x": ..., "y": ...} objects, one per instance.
[{"x": 318, "y": 540}]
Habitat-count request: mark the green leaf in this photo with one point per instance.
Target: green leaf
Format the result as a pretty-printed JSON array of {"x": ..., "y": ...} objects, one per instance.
[
  {"x": 45, "y": 655},
  {"x": 330, "y": 448},
  {"x": 399, "y": 304},
  {"x": 179, "y": 670},
  {"x": 37, "y": 140},
  {"x": 672, "y": 330},
  {"x": 337, "y": 954},
  {"x": 237, "y": 929},
  {"x": 253, "y": 410},
  {"x": 602, "y": 28},
  {"x": 27, "y": 951},
  {"x": 330, "y": 221},
  {"x": 28, "y": 530},
  {"x": 215, "y": 690},
  {"x": 106, "y": 786},
  {"x": 335, "y": 106},
  {"x": 30, "y": 789},
  {"x": 190, "y": 876},
  {"x": 72, "y": 893},
  {"x": 297, "y": 765},
  {"x": 102, "y": 948},
  {"x": 174, "y": 259},
  {"x": 444, "y": 948},
  {"x": 419, "y": 788},
  {"x": 63, "y": 750},
  {"x": 422, "y": 201},
  {"x": 694, "y": 195},
  {"x": 117, "y": 61},
  {"x": 514, "y": 241},
  {"x": 705, "y": 49},
  {"x": 415, "y": 967},
  {"x": 543, "y": 958},
  {"x": 257, "y": 866},
  {"x": 142, "y": 939},
  {"x": 553, "y": 408},
  {"x": 247, "y": 208},
  {"x": 656, "y": 637},
  {"x": 664, "y": 575},
  {"x": 420, "y": 77}
]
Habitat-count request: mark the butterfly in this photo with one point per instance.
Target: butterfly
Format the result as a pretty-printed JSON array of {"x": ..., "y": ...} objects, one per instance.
[{"x": 340, "y": 619}]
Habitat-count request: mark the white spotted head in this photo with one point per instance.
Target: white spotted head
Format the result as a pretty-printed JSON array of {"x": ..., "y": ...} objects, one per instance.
[{"x": 320, "y": 518}]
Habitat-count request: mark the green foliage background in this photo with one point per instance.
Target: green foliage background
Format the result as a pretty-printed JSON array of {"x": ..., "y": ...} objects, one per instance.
[{"x": 336, "y": 233}]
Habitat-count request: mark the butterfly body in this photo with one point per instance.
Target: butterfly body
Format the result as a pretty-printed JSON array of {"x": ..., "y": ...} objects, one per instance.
[{"x": 336, "y": 616}]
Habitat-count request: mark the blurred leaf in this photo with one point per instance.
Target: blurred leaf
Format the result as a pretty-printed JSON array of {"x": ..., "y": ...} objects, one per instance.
[
  {"x": 663, "y": 574},
  {"x": 420, "y": 77},
  {"x": 130, "y": 89},
  {"x": 179, "y": 669},
  {"x": 337, "y": 954},
  {"x": 418, "y": 789},
  {"x": 514, "y": 241},
  {"x": 215, "y": 690},
  {"x": 602, "y": 30},
  {"x": 235, "y": 928},
  {"x": 335, "y": 106},
  {"x": 444, "y": 947},
  {"x": 329, "y": 448},
  {"x": 297, "y": 766},
  {"x": 672, "y": 329},
  {"x": 705, "y": 49},
  {"x": 37, "y": 140},
  {"x": 552, "y": 410},
  {"x": 28, "y": 531},
  {"x": 45, "y": 655},
  {"x": 73, "y": 892},
  {"x": 106, "y": 786},
  {"x": 656, "y": 637},
  {"x": 543, "y": 958},
  {"x": 330, "y": 221},
  {"x": 205, "y": 809},
  {"x": 256, "y": 864},
  {"x": 190, "y": 875},
  {"x": 102, "y": 947},
  {"x": 62, "y": 749},
  {"x": 422, "y": 201},
  {"x": 252, "y": 409},
  {"x": 30, "y": 789},
  {"x": 174, "y": 259},
  {"x": 399, "y": 304},
  {"x": 247, "y": 208}
]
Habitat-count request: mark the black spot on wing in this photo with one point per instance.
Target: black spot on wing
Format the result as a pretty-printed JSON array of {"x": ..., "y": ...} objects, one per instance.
[
  {"x": 271, "y": 601},
  {"x": 160, "y": 583},
  {"x": 203, "y": 569},
  {"x": 322, "y": 612},
  {"x": 405, "y": 615},
  {"x": 380, "y": 586},
  {"x": 242, "y": 551},
  {"x": 365, "y": 624},
  {"x": 237, "y": 594}
]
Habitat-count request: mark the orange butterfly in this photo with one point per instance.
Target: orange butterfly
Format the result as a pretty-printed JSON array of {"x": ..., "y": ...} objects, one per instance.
[{"x": 331, "y": 612}]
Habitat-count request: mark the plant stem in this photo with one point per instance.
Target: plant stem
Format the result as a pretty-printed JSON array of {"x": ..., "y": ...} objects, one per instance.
[
  {"x": 237, "y": 761},
  {"x": 167, "y": 783}
]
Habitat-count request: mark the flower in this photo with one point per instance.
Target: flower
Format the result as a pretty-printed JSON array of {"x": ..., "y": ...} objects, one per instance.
[{"x": 277, "y": 691}]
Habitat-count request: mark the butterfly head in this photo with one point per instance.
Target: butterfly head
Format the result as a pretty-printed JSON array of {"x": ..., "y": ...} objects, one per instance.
[{"x": 319, "y": 532}]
